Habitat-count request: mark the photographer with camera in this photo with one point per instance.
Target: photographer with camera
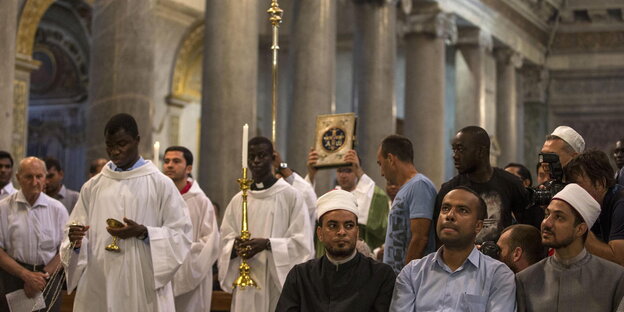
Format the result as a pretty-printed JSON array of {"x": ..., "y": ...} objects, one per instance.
[
  {"x": 565, "y": 142},
  {"x": 593, "y": 172}
]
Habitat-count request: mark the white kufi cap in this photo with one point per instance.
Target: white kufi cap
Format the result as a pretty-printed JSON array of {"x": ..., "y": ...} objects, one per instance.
[
  {"x": 336, "y": 200},
  {"x": 571, "y": 137},
  {"x": 581, "y": 201}
]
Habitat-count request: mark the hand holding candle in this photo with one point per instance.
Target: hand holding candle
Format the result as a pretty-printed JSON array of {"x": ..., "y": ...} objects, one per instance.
[{"x": 245, "y": 139}]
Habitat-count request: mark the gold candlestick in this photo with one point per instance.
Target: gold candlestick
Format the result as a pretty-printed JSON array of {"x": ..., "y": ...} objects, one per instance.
[
  {"x": 244, "y": 279},
  {"x": 275, "y": 17}
]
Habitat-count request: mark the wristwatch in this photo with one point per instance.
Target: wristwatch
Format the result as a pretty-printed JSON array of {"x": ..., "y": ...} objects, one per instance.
[
  {"x": 282, "y": 165},
  {"x": 143, "y": 236}
]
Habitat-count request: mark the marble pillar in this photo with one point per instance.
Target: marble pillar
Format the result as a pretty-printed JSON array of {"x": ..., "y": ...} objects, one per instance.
[
  {"x": 8, "y": 30},
  {"x": 229, "y": 92},
  {"x": 509, "y": 121},
  {"x": 313, "y": 53},
  {"x": 474, "y": 46},
  {"x": 121, "y": 72},
  {"x": 374, "y": 65},
  {"x": 536, "y": 124},
  {"x": 425, "y": 37}
]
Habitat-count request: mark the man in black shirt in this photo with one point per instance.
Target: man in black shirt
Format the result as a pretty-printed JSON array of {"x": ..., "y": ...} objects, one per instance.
[
  {"x": 503, "y": 192},
  {"x": 593, "y": 172},
  {"x": 342, "y": 279}
]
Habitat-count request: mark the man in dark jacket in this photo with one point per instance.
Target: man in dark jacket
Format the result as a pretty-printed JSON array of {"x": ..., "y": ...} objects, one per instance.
[{"x": 342, "y": 279}]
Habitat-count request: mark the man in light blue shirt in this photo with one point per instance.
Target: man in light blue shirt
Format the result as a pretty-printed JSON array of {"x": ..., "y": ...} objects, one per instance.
[
  {"x": 410, "y": 233},
  {"x": 457, "y": 277}
]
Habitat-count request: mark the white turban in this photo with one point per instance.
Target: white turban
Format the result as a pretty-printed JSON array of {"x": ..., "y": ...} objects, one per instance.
[
  {"x": 571, "y": 137},
  {"x": 581, "y": 201},
  {"x": 336, "y": 200}
]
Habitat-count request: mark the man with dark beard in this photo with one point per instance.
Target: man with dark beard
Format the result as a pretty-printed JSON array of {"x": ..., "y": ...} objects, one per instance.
[
  {"x": 520, "y": 246},
  {"x": 572, "y": 279},
  {"x": 342, "y": 279},
  {"x": 457, "y": 277}
]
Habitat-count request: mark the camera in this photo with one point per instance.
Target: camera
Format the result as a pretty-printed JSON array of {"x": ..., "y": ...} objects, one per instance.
[
  {"x": 542, "y": 196},
  {"x": 490, "y": 248}
]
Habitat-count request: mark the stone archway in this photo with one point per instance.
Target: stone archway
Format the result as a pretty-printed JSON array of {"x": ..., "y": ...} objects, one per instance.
[
  {"x": 184, "y": 99},
  {"x": 28, "y": 22}
]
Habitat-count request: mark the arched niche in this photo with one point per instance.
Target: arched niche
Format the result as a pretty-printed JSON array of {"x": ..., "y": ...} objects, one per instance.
[{"x": 185, "y": 93}]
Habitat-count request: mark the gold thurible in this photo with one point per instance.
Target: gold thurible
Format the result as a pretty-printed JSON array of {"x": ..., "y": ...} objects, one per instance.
[
  {"x": 275, "y": 17},
  {"x": 244, "y": 279}
]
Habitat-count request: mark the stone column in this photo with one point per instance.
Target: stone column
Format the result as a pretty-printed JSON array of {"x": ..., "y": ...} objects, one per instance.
[
  {"x": 229, "y": 92},
  {"x": 8, "y": 30},
  {"x": 314, "y": 57},
  {"x": 374, "y": 65},
  {"x": 121, "y": 76},
  {"x": 534, "y": 85},
  {"x": 509, "y": 121},
  {"x": 424, "y": 89},
  {"x": 474, "y": 45}
]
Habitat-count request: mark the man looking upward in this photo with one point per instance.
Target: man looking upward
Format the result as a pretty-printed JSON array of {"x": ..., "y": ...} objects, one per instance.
[
  {"x": 192, "y": 283},
  {"x": 572, "y": 279},
  {"x": 457, "y": 277}
]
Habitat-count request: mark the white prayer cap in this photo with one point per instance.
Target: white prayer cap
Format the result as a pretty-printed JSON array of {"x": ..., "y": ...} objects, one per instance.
[
  {"x": 581, "y": 201},
  {"x": 336, "y": 200},
  {"x": 571, "y": 137}
]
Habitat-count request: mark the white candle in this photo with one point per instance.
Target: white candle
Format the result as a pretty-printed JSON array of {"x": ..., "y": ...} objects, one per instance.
[
  {"x": 156, "y": 151},
  {"x": 245, "y": 139}
]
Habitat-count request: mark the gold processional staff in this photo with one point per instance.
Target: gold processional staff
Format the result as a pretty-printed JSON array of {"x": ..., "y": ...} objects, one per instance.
[{"x": 244, "y": 279}]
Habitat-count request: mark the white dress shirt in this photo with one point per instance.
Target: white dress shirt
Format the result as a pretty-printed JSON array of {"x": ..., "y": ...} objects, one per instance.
[
  {"x": 7, "y": 190},
  {"x": 31, "y": 234}
]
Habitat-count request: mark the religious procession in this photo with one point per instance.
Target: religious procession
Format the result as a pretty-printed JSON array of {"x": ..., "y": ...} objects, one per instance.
[{"x": 318, "y": 155}]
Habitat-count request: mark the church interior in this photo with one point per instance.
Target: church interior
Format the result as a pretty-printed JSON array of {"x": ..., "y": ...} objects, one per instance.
[{"x": 192, "y": 72}]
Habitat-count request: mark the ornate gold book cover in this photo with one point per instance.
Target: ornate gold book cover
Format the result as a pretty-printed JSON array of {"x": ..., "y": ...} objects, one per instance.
[{"x": 335, "y": 136}]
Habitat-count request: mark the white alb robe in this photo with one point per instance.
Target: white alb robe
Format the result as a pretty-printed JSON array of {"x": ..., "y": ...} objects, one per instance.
[
  {"x": 192, "y": 283},
  {"x": 139, "y": 277},
  {"x": 277, "y": 213}
]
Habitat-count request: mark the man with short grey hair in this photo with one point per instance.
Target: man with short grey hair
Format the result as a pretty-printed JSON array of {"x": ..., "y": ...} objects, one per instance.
[{"x": 31, "y": 231}]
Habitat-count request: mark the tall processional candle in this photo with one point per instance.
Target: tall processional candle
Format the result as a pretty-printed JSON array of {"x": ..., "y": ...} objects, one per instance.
[
  {"x": 245, "y": 139},
  {"x": 156, "y": 151}
]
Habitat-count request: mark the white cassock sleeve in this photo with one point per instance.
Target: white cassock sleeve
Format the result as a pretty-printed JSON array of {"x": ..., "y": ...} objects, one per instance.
[
  {"x": 204, "y": 250},
  {"x": 75, "y": 261},
  {"x": 170, "y": 242},
  {"x": 296, "y": 245},
  {"x": 309, "y": 196}
]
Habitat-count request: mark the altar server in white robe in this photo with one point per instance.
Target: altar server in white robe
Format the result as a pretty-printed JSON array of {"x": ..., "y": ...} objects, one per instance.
[
  {"x": 192, "y": 284},
  {"x": 153, "y": 242},
  {"x": 280, "y": 230}
]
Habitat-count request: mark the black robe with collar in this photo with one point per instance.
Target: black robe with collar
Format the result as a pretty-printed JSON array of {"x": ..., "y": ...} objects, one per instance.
[{"x": 361, "y": 284}]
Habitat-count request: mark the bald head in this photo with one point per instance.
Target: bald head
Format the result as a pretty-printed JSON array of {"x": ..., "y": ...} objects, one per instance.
[
  {"x": 31, "y": 162},
  {"x": 31, "y": 175}
]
